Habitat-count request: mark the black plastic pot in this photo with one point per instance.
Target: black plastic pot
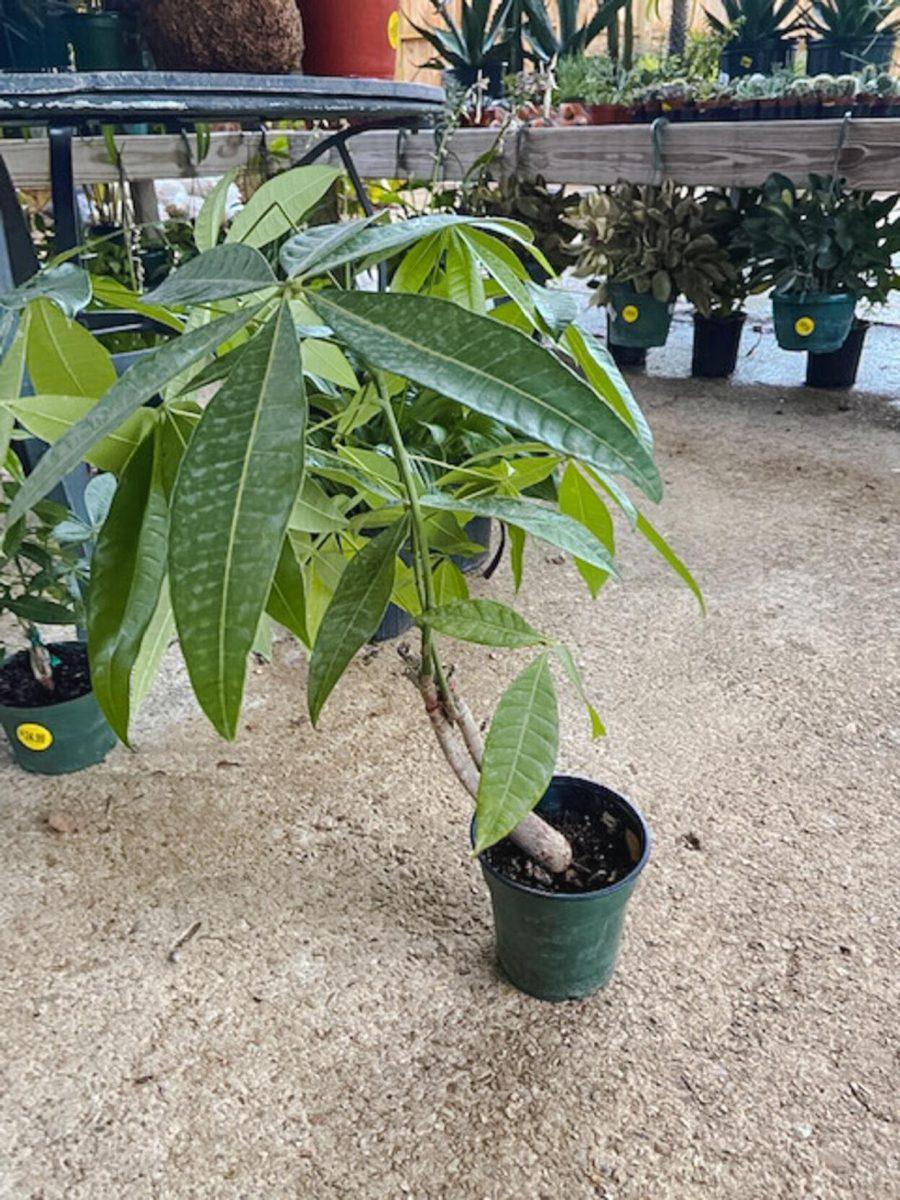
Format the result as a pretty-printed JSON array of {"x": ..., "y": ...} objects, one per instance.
[
  {"x": 478, "y": 530},
  {"x": 716, "y": 344},
  {"x": 492, "y": 73},
  {"x": 58, "y": 739},
  {"x": 839, "y": 368},
  {"x": 844, "y": 56},
  {"x": 564, "y": 946},
  {"x": 637, "y": 318},
  {"x": 751, "y": 58}
]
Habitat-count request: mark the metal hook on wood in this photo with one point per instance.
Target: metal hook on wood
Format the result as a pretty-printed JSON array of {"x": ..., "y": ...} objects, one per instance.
[{"x": 657, "y": 130}]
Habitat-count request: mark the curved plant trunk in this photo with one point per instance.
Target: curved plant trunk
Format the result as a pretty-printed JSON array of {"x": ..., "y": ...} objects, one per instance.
[
  {"x": 678, "y": 27},
  {"x": 261, "y": 36}
]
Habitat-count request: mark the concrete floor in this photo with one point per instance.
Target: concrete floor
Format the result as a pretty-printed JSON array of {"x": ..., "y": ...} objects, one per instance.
[{"x": 336, "y": 1028}]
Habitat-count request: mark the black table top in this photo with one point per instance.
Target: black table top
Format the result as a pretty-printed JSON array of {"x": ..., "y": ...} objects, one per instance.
[{"x": 123, "y": 96}]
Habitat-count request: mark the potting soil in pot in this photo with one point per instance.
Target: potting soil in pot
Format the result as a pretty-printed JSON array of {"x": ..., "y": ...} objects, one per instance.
[
  {"x": 604, "y": 850},
  {"x": 71, "y": 674}
]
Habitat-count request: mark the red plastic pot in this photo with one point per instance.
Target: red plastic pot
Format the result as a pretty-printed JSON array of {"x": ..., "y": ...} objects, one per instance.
[{"x": 351, "y": 38}]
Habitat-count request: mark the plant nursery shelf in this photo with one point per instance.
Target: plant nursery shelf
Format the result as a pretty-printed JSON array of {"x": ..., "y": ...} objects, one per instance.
[{"x": 725, "y": 154}]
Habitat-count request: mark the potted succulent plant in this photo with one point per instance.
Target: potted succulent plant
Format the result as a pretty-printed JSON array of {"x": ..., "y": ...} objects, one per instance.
[
  {"x": 204, "y": 509},
  {"x": 474, "y": 48},
  {"x": 821, "y": 249},
  {"x": 598, "y": 84},
  {"x": 647, "y": 244},
  {"x": 759, "y": 30},
  {"x": 47, "y": 708},
  {"x": 850, "y": 35}
]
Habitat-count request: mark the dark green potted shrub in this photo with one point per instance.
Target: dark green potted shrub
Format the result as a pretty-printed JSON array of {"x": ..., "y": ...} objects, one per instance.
[
  {"x": 719, "y": 294},
  {"x": 101, "y": 38},
  {"x": 760, "y": 34},
  {"x": 204, "y": 509},
  {"x": 647, "y": 243},
  {"x": 850, "y": 35},
  {"x": 47, "y": 707},
  {"x": 820, "y": 249}
]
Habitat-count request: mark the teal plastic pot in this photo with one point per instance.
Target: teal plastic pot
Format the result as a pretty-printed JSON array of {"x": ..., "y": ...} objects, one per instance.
[
  {"x": 564, "y": 946},
  {"x": 637, "y": 318},
  {"x": 815, "y": 323},
  {"x": 101, "y": 41},
  {"x": 58, "y": 739}
]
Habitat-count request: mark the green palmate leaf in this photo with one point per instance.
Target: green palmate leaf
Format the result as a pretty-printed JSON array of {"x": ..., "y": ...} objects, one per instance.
[
  {"x": 375, "y": 243},
  {"x": 517, "y": 554},
  {"x": 133, "y": 389},
  {"x": 519, "y": 754},
  {"x": 327, "y": 361},
  {"x": 558, "y": 308},
  {"x": 492, "y": 369},
  {"x": 449, "y": 583},
  {"x": 264, "y": 640},
  {"x": 577, "y": 499},
  {"x": 219, "y": 274},
  {"x": 230, "y": 510},
  {"x": 68, "y": 286},
  {"x": 485, "y": 622},
  {"x": 12, "y": 375},
  {"x": 355, "y": 612},
  {"x": 287, "y": 599},
  {"x": 320, "y": 242},
  {"x": 659, "y": 543},
  {"x": 280, "y": 205},
  {"x": 537, "y": 519},
  {"x": 211, "y": 216},
  {"x": 158, "y": 636},
  {"x": 315, "y": 511},
  {"x": 564, "y": 655},
  {"x": 50, "y": 417},
  {"x": 63, "y": 358},
  {"x": 127, "y": 572},
  {"x": 110, "y": 293},
  {"x": 608, "y": 381},
  {"x": 463, "y": 280}
]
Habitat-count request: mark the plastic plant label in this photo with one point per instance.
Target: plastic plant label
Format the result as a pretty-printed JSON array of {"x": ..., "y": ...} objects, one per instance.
[
  {"x": 746, "y": 60},
  {"x": 630, "y": 313},
  {"x": 394, "y": 30},
  {"x": 34, "y": 737},
  {"x": 804, "y": 326}
]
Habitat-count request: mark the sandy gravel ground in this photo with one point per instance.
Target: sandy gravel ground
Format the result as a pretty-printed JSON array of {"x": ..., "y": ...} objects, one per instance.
[{"x": 336, "y": 1028}]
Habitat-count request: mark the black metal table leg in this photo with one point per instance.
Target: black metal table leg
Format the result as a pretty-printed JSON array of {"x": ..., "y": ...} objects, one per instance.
[{"x": 66, "y": 224}]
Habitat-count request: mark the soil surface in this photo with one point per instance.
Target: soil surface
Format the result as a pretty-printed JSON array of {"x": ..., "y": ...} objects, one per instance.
[
  {"x": 335, "y": 1028},
  {"x": 71, "y": 678},
  {"x": 603, "y": 851}
]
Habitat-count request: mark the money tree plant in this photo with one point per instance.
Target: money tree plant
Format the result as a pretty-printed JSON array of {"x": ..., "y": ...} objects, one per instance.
[{"x": 300, "y": 491}]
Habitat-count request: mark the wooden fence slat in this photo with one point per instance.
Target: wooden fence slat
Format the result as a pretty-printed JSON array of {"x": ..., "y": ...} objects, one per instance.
[{"x": 727, "y": 154}]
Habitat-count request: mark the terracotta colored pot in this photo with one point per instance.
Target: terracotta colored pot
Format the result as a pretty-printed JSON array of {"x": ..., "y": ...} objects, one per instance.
[{"x": 351, "y": 38}]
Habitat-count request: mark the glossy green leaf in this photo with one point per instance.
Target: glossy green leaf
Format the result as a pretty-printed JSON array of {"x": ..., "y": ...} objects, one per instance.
[
  {"x": 535, "y": 518},
  {"x": 604, "y": 376},
  {"x": 63, "y": 358},
  {"x": 264, "y": 640},
  {"x": 280, "y": 205},
  {"x": 211, "y": 216},
  {"x": 50, "y": 417},
  {"x": 287, "y": 599},
  {"x": 492, "y": 369},
  {"x": 315, "y": 511},
  {"x": 68, "y": 286},
  {"x": 127, "y": 572},
  {"x": 160, "y": 633},
  {"x": 230, "y": 510},
  {"x": 463, "y": 278},
  {"x": 662, "y": 547},
  {"x": 519, "y": 754},
  {"x": 301, "y": 253},
  {"x": 564, "y": 654},
  {"x": 12, "y": 375},
  {"x": 219, "y": 274},
  {"x": 516, "y": 554},
  {"x": 328, "y": 361},
  {"x": 134, "y": 388},
  {"x": 355, "y": 612},
  {"x": 577, "y": 499},
  {"x": 39, "y": 610},
  {"x": 485, "y": 622},
  {"x": 449, "y": 583},
  {"x": 110, "y": 293}
]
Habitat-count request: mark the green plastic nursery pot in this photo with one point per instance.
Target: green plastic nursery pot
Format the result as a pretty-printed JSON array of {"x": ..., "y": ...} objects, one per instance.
[
  {"x": 563, "y": 946},
  {"x": 637, "y": 318},
  {"x": 816, "y": 323},
  {"x": 58, "y": 739}
]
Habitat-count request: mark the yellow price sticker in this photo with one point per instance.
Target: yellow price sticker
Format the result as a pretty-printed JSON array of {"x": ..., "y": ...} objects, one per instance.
[
  {"x": 34, "y": 737},
  {"x": 394, "y": 30},
  {"x": 630, "y": 313},
  {"x": 804, "y": 326}
]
